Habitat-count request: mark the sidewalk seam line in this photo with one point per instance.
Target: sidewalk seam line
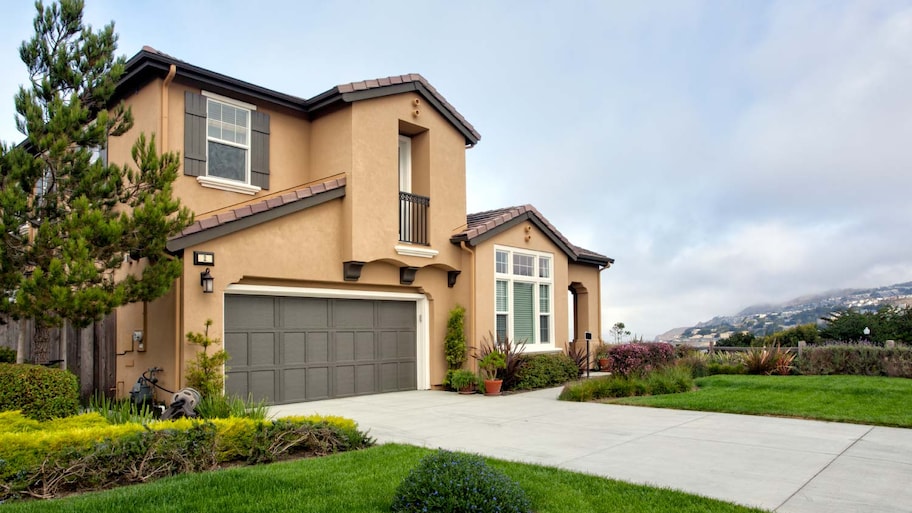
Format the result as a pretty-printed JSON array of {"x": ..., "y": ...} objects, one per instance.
[{"x": 812, "y": 478}]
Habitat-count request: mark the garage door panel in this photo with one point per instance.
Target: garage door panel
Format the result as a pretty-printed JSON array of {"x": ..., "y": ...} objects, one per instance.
[
  {"x": 262, "y": 350},
  {"x": 344, "y": 346},
  {"x": 364, "y": 346},
  {"x": 389, "y": 377},
  {"x": 236, "y": 345},
  {"x": 353, "y": 313},
  {"x": 294, "y": 385},
  {"x": 395, "y": 314},
  {"x": 389, "y": 345},
  {"x": 408, "y": 375},
  {"x": 317, "y": 347},
  {"x": 344, "y": 380},
  {"x": 365, "y": 379},
  {"x": 318, "y": 384},
  {"x": 302, "y": 312},
  {"x": 407, "y": 347},
  {"x": 236, "y": 384},
  {"x": 252, "y": 312},
  {"x": 262, "y": 385},
  {"x": 294, "y": 346},
  {"x": 290, "y": 349}
]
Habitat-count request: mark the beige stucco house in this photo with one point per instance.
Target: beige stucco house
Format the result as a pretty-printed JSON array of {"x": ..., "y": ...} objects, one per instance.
[{"x": 335, "y": 234}]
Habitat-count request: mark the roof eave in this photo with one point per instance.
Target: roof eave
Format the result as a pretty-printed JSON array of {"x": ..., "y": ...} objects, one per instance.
[
  {"x": 333, "y": 96},
  {"x": 146, "y": 63}
]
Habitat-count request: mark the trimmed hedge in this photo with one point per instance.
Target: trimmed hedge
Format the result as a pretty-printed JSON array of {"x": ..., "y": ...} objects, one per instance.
[
  {"x": 85, "y": 452},
  {"x": 545, "y": 370},
  {"x": 856, "y": 360},
  {"x": 39, "y": 392}
]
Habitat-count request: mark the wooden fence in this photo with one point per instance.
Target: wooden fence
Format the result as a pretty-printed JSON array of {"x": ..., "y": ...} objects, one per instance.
[{"x": 88, "y": 353}]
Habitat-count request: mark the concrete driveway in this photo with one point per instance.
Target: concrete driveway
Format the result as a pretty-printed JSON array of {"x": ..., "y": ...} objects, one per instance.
[{"x": 784, "y": 465}]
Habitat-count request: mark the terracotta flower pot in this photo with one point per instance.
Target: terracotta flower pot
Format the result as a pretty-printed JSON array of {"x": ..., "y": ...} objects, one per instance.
[
  {"x": 467, "y": 390},
  {"x": 492, "y": 386},
  {"x": 603, "y": 364}
]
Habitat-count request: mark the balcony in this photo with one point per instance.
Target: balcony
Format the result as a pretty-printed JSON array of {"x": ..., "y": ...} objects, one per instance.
[{"x": 413, "y": 212}]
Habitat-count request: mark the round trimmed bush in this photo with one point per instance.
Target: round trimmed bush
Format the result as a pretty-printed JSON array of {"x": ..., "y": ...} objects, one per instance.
[
  {"x": 458, "y": 483},
  {"x": 41, "y": 393},
  {"x": 545, "y": 370}
]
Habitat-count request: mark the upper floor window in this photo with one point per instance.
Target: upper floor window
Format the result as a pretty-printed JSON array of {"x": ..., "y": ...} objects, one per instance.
[
  {"x": 228, "y": 132},
  {"x": 226, "y": 143},
  {"x": 405, "y": 163}
]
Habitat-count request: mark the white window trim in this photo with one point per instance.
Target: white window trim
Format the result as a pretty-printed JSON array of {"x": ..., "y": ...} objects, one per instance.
[
  {"x": 422, "y": 314},
  {"x": 405, "y": 175},
  {"x": 510, "y": 278},
  {"x": 227, "y": 184}
]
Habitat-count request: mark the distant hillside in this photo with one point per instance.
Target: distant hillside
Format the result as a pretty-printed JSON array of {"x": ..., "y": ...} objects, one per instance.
[{"x": 770, "y": 318}]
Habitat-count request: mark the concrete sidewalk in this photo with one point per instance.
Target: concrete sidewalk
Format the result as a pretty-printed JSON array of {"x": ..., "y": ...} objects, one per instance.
[{"x": 784, "y": 465}]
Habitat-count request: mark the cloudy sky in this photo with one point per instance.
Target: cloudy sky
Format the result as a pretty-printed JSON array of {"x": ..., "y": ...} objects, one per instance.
[{"x": 724, "y": 153}]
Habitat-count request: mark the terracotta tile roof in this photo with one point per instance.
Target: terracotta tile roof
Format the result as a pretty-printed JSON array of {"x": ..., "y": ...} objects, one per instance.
[
  {"x": 487, "y": 222},
  {"x": 150, "y": 60},
  {"x": 260, "y": 206},
  {"x": 365, "y": 85}
]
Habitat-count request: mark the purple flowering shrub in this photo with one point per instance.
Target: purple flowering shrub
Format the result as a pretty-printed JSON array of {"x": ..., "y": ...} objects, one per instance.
[
  {"x": 639, "y": 358},
  {"x": 454, "y": 482}
]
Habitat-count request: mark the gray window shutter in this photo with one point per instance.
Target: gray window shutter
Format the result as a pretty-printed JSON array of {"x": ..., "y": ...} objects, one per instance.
[
  {"x": 194, "y": 134},
  {"x": 259, "y": 149}
]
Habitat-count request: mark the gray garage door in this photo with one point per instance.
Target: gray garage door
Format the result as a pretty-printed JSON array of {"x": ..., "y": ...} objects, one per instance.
[{"x": 290, "y": 349}]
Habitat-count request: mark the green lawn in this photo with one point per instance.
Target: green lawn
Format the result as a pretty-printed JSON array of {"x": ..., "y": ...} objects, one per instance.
[
  {"x": 364, "y": 481},
  {"x": 856, "y": 399}
]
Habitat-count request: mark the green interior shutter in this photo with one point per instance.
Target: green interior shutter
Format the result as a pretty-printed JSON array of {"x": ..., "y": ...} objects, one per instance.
[{"x": 523, "y": 313}]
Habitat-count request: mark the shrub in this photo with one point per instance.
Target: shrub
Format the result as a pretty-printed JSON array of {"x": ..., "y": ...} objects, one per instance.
[
  {"x": 41, "y": 393},
  {"x": 7, "y": 355},
  {"x": 545, "y": 370},
  {"x": 512, "y": 353},
  {"x": 668, "y": 380},
  {"x": 457, "y": 483},
  {"x": 84, "y": 452},
  {"x": 120, "y": 411},
  {"x": 761, "y": 360},
  {"x": 462, "y": 379},
  {"x": 223, "y": 406},
  {"x": 859, "y": 360},
  {"x": 205, "y": 372},
  {"x": 454, "y": 345},
  {"x": 639, "y": 358},
  {"x": 577, "y": 353}
]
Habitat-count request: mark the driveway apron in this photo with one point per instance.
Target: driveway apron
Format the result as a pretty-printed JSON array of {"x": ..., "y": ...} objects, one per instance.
[{"x": 785, "y": 465}]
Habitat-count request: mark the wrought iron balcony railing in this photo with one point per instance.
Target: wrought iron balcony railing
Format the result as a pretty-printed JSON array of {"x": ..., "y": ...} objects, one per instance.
[{"x": 413, "y": 215}]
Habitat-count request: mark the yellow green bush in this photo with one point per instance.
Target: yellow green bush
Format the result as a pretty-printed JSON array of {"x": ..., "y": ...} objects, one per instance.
[{"x": 86, "y": 452}]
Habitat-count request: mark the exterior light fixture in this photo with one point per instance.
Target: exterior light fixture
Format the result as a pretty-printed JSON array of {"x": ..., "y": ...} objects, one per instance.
[
  {"x": 206, "y": 280},
  {"x": 866, "y": 331}
]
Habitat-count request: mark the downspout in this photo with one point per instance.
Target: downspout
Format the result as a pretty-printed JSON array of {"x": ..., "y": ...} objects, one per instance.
[
  {"x": 163, "y": 144},
  {"x": 474, "y": 314},
  {"x": 179, "y": 296}
]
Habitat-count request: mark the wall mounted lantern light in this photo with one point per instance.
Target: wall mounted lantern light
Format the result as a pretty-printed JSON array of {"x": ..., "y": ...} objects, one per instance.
[{"x": 206, "y": 280}]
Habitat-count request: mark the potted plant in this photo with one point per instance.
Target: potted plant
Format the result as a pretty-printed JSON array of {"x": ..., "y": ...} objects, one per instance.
[
  {"x": 601, "y": 355},
  {"x": 464, "y": 381},
  {"x": 489, "y": 365}
]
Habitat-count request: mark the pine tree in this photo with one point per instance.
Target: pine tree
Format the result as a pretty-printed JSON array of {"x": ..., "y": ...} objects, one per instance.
[{"x": 68, "y": 218}]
